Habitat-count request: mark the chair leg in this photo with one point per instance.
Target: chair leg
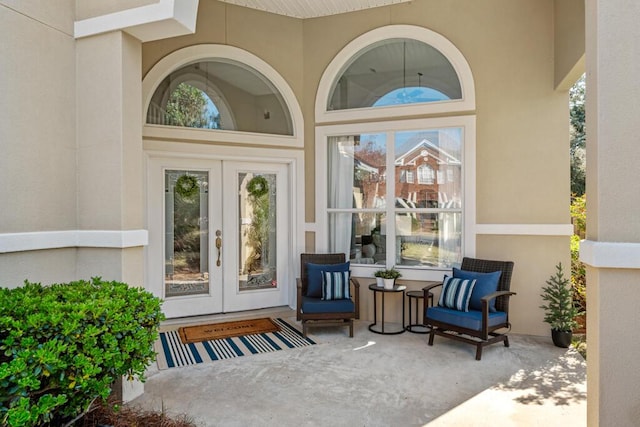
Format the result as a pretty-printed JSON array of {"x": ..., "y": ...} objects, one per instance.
[
  {"x": 431, "y": 335},
  {"x": 478, "y": 351},
  {"x": 506, "y": 341},
  {"x": 351, "y": 328},
  {"x": 304, "y": 329}
]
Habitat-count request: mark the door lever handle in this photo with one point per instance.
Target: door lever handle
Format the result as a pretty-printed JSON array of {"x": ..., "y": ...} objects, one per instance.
[{"x": 218, "y": 245}]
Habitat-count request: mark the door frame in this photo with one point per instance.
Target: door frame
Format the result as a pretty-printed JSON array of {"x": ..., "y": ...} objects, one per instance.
[{"x": 155, "y": 150}]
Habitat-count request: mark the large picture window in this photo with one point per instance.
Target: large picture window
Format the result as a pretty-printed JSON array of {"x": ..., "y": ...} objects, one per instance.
[
  {"x": 372, "y": 207},
  {"x": 395, "y": 153}
]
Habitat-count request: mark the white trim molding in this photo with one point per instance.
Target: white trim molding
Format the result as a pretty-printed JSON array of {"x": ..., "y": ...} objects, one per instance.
[
  {"x": 610, "y": 254},
  {"x": 525, "y": 229},
  {"x": 40, "y": 240},
  {"x": 167, "y": 18}
]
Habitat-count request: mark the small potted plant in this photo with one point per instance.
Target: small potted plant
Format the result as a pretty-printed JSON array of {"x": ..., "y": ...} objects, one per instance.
[
  {"x": 560, "y": 311},
  {"x": 388, "y": 276}
]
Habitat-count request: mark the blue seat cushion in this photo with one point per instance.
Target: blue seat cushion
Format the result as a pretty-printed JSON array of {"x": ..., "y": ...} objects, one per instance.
[
  {"x": 314, "y": 276},
  {"x": 464, "y": 319},
  {"x": 486, "y": 283},
  {"x": 317, "y": 305}
]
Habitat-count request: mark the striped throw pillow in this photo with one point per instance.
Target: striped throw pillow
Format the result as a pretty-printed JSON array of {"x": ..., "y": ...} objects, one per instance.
[
  {"x": 335, "y": 285},
  {"x": 456, "y": 293}
]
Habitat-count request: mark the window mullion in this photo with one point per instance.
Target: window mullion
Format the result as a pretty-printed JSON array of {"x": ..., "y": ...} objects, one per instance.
[{"x": 391, "y": 200}]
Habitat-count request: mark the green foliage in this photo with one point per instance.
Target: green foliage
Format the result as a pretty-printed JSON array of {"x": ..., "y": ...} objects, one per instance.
[
  {"x": 578, "y": 211},
  {"x": 578, "y": 271},
  {"x": 560, "y": 311},
  {"x": 388, "y": 274},
  {"x": 187, "y": 106},
  {"x": 62, "y": 346},
  {"x": 578, "y": 136},
  {"x": 578, "y": 275}
]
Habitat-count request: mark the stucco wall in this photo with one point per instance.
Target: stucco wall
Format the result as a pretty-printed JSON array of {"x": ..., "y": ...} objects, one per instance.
[
  {"x": 37, "y": 134},
  {"x": 569, "y": 43},
  {"x": 92, "y": 8}
]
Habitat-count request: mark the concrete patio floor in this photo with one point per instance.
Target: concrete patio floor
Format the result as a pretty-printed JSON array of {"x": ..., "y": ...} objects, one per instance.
[{"x": 375, "y": 380}]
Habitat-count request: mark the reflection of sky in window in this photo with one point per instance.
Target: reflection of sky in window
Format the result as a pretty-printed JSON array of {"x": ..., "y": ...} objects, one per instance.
[
  {"x": 410, "y": 95},
  {"x": 378, "y": 141},
  {"x": 406, "y": 140},
  {"x": 211, "y": 107}
]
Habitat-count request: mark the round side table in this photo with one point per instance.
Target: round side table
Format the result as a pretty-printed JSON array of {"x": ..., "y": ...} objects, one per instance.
[
  {"x": 417, "y": 296},
  {"x": 379, "y": 328}
]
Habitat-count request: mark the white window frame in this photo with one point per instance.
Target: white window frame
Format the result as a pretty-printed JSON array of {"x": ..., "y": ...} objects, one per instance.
[
  {"x": 410, "y": 176},
  {"x": 197, "y": 53},
  {"x": 343, "y": 58},
  {"x": 466, "y": 123},
  {"x": 458, "y": 113}
]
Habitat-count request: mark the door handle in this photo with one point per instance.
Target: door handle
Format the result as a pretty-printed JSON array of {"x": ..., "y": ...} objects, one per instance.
[{"x": 218, "y": 245}]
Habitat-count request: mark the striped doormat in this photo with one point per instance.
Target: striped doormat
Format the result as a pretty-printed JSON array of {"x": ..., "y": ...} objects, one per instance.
[{"x": 173, "y": 353}]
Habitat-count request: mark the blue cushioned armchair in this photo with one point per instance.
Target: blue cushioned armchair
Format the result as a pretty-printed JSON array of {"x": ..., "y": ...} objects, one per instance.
[
  {"x": 478, "y": 326},
  {"x": 312, "y": 309}
]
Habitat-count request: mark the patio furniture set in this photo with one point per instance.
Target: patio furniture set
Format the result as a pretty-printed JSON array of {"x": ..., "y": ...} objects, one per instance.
[{"x": 473, "y": 306}]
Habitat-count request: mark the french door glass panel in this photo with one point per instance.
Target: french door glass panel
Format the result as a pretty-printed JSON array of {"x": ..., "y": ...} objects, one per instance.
[
  {"x": 186, "y": 233},
  {"x": 257, "y": 250}
]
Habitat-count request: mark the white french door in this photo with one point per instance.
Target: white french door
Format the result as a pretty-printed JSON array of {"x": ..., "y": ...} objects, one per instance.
[{"x": 219, "y": 235}]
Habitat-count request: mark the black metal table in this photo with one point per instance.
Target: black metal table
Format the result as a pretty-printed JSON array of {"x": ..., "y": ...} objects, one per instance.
[
  {"x": 380, "y": 290},
  {"x": 417, "y": 296}
]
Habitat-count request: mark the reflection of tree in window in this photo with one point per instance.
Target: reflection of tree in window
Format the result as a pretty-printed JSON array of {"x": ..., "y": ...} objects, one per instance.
[{"x": 188, "y": 106}]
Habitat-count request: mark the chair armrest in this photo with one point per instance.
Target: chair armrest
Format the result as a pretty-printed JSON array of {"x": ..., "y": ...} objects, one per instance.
[
  {"x": 431, "y": 286},
  {"x": 427, "y": 292},
  {"x": 496, "y": 294},
  {"x": 485, "y": 309},
  {"x": 356, "y": 295}
]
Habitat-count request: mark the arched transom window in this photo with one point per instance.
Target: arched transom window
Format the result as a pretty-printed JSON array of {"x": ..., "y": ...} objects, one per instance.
[
  {"x": 395, "y": 72},
  {"x": 220, "y": 94}
]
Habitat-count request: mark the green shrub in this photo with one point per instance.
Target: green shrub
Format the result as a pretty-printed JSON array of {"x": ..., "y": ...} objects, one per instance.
[
  {"x": 62, "y": 346},
  {"x": 578, "y": 275}
]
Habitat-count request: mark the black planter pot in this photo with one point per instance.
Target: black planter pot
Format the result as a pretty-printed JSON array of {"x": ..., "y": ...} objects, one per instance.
[{"x": 561, "y": 338}]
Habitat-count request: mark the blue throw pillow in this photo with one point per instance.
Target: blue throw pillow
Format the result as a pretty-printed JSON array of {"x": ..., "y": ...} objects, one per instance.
[
  {"x": 486, "y": 283},
  {"x": 314, "y": 276},
  {"x": 456, "y": 293},
  {"x": 335, "y": 285}
]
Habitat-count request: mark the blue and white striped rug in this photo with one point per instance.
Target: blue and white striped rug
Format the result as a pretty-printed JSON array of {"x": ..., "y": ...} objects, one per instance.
[{"x": 173, "y": 353}]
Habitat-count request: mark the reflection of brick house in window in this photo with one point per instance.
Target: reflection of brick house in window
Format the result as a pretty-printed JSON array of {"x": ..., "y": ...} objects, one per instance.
[
  {"x": 437, "y": 173},
  {"x": 427, "y": 175}
]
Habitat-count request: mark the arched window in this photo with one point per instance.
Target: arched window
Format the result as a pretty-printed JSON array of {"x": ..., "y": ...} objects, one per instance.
[
  {"x": 395, "y": 72},
  {"x": 220, "y": 94},
  {"x": 394, "y": 163}
]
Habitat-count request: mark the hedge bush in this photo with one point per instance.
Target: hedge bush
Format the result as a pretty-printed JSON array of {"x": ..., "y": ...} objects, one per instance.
[{"x": 62, "y": 346}]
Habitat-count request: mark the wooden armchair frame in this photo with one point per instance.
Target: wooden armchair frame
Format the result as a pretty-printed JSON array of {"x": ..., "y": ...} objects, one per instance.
[
  {"x": 487, "y": 334},
  {"x": 325, "y": 319}
]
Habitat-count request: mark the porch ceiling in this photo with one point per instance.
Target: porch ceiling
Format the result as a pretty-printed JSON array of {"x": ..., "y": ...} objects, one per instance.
[{"x": 311, "y": 8}]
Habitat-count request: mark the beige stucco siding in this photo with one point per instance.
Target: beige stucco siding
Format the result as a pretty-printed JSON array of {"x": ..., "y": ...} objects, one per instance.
[
  {"x": 91, "y": 8},
  {"x": 569, "y": 42},
  {"x": 58, "y": 15},
  {"x": 37, "y": 124},
  {"x": 44, "y": 178}
]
